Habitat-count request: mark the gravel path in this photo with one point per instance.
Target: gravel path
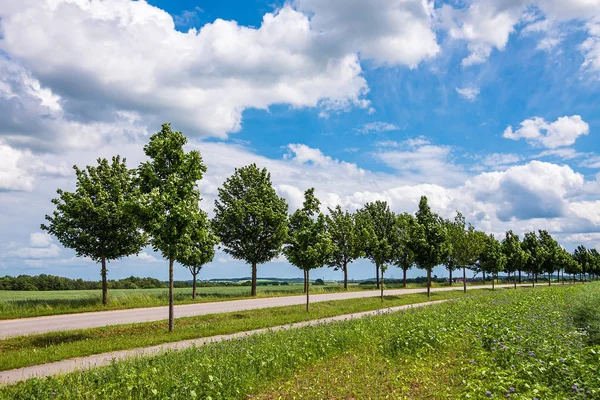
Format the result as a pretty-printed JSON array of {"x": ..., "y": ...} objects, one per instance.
[
  {"x": 85, "y": 363},
  {"x": 37, "y": 325}
]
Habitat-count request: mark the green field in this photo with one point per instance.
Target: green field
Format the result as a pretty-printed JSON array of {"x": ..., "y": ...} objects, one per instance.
[
  {"x": 54, "y": 346},
  {"x": 21, "y": 304},
  {"x": 519, "y": 344}
]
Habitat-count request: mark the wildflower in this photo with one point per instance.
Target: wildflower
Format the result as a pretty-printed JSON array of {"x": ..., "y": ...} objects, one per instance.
[
  {"x": 511, "y": 389},
  {"x": 574, "y": 387},
  {"x": 488, "y": 393}
]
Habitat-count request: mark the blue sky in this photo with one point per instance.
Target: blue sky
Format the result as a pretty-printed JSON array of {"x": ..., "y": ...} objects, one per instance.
[{"x": 486, "y": 107}]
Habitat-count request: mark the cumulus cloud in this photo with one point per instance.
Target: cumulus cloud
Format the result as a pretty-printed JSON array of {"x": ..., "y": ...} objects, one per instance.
[
  {"x": 469, "y": 92},
  {"x": 40, "y": 247},
  {"x": 486, "y": 25},
  {"x": 562, "y": 132}
]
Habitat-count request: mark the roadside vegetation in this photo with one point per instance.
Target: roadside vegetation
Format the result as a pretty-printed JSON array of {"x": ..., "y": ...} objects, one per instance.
[
  {"x": 38, "y": 349},
  {"x": 518, "y": 344}
]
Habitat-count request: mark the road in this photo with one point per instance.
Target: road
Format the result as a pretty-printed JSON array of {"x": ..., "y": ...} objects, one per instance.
[
  {"x": 54, "y": 323},
  {"x": 84, "y": 363}
]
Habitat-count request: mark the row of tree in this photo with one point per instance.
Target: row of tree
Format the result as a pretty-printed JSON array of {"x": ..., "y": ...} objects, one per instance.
[{"x": 115, "y": 212}]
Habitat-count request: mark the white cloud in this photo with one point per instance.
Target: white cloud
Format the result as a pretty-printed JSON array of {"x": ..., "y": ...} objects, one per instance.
[
  {"x": 40, "y": 239},
  {"x": 499, "y": 161},
  {"x": 146, "y": 257},
  {"x": 562, "y": 132},
  {"x": 40, "y": 248},
  {"x": 469, "y": 92},
  {"x": 591, "y": 46},
  {"x": 19, "y": 168},
  {"x": 377, "y": 127}
]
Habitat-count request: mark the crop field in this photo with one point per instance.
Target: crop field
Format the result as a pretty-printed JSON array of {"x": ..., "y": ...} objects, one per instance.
[
  {"x": 22, "y": 304},
  {"x": 540, "y": 343}
]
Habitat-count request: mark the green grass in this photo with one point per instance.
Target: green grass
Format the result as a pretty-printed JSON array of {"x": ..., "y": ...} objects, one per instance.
[
  {"x": 517, "y": 342},
  {"x": 38, "y": 349},
  {"x": 23, "y": 304}
]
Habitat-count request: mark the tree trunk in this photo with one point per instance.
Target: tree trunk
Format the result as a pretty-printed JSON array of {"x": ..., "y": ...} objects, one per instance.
[
  {"x": 171, "y": 309},
  {"x": 377, "y": 275},
  {"x": 483, "y": 272},
  {"x": 533, "y": 281},
  {"x": 493, "y": 281},
  {"x": 345, "y": 275},
  {"x": 428, "y": 282},
  {"x": 382, "y": 285},
  {"x": 305, "y": 281},
  {"x": 536, "y": 277},
  {"x": 194, "y": 287},
  {"x": 563, "y": 276},
  {"x": 404, "y": 277},
  {"x": 519, "y": 276},
  {"x": 465, "y": 279},
  {"x": 253, "y": 290},
  {"x": 104, "y": 282},
  {"x": 450, "y": 276},
  {"x": 549, "y": 279},
  {"x": 307, "y": 289},
  {"x": 515, "y": 279}
]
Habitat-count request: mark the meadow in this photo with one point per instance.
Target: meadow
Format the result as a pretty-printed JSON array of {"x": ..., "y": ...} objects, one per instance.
[
  {"x": 22, "y": 304},
  {"x": 519, "y": 344}
]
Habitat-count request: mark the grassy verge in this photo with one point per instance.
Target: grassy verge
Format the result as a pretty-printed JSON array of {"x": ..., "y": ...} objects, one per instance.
[
  {"x": 38, "y": 349},
  {"x": 519, "y": 343},
  {"x": 20, "y": 304}
]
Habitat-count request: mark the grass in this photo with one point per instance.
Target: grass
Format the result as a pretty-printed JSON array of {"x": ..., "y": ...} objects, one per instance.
[
  {"x": 23, "y": 304},
  {"x": 38, "y": 349},
  {"x": 520, "y": 344}
]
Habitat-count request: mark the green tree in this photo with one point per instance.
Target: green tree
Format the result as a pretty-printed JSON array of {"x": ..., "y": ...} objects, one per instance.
[
  {"x": 98, "y": 219},
  {"x": 467, "y": 245},
  {"x": 309, "y": 245},
  {"x": 448, "y": 259},
  {"x": 493, "y": 259},
  {"x": 403, "y": 255},
  {"x": 429, "y": 240},
  {"x": 169, "y": 201},
  {"x": 536, "y": 255},
  {"x": 202, "y": 248},
  {"x": 584, "y": 259},
  {"x": 250, "y": 219},
  {"x": 516, "y": 257},
  {"x": 377, "y": 225},
  {"x": 551, "y": 248},
  {"x": 566, "y": 263},
  {"x": 595, "y": 263},
  {"x": 345, "y": 235}
]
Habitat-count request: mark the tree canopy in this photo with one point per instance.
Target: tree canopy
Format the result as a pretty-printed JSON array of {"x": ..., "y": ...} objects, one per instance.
[
  {"x": 97, "y": 220},
  {"x": 250, "y": 218},
  {"x": 345, "y": 236}
]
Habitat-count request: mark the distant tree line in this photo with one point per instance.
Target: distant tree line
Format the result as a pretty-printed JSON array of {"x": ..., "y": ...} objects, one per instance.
[
  {"x": 116, "y": 211},
  {"x": 51, "y": 282}
]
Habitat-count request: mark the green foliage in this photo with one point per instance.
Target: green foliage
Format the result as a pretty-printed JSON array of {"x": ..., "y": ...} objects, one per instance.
[
  {"x": 583, "y": 257},
  {"x": 585, "y": 311},
  {"x": 378, "y": 232},
  {"x": 96, "y": 220},
  {"x": 429, "y": 242},
  {"x": 516, "y": 257},
  {"x": 536, "y": 253},
  {"x": 492, "y": 259},
  {"x": 309, "y": 244},
  {"x": 202, "y": 249},
  {"x": 250, "y": 219},
  {"x": 551, "y": 249},
  {"x": 403, "y": 255},
  {"x": 345, "y": 236},
  {"x": 466, "y": 244},
  {"x": 169, "y": 201}
]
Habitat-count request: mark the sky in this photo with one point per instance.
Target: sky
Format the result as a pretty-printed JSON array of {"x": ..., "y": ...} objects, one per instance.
[{"x": 489, "y": 107}]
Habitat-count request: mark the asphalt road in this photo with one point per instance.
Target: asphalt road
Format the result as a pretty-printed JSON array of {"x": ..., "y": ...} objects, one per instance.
[{"x": 54, "y": 323}]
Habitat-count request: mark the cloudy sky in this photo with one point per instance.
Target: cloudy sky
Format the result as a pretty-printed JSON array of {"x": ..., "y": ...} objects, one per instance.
[{"x": 486, "y": 106}]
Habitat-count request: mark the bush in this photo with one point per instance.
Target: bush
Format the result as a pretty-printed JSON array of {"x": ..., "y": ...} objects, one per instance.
[{"x": 319, "y": 282}]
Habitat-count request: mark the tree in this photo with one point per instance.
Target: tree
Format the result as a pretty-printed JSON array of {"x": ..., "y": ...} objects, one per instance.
[
  {"x": 566, "y": 263},
  {"x": 309, "y": 245},
  {"x": 448, "y": 258},
  {"x": 429, "y": 242},
  {"x": 493, "y": 259},
  {"x": 550, "y": 249},
  {"x": 403, "y": 255},
  {"x": 97, "y": 219},
  {"x": 201, "y": 250},
  {"x": 250, "y": 219},
  {"x": 467, "y": 245},
  {"x": 377, "y": 223},
  {"x": 583, "y": 258},
  {"x": 169, "y": 201},
  {"x": 345, "y": 235},
  {"x": 516, "y": 258},
  {"x": 536, "y": 255}
]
